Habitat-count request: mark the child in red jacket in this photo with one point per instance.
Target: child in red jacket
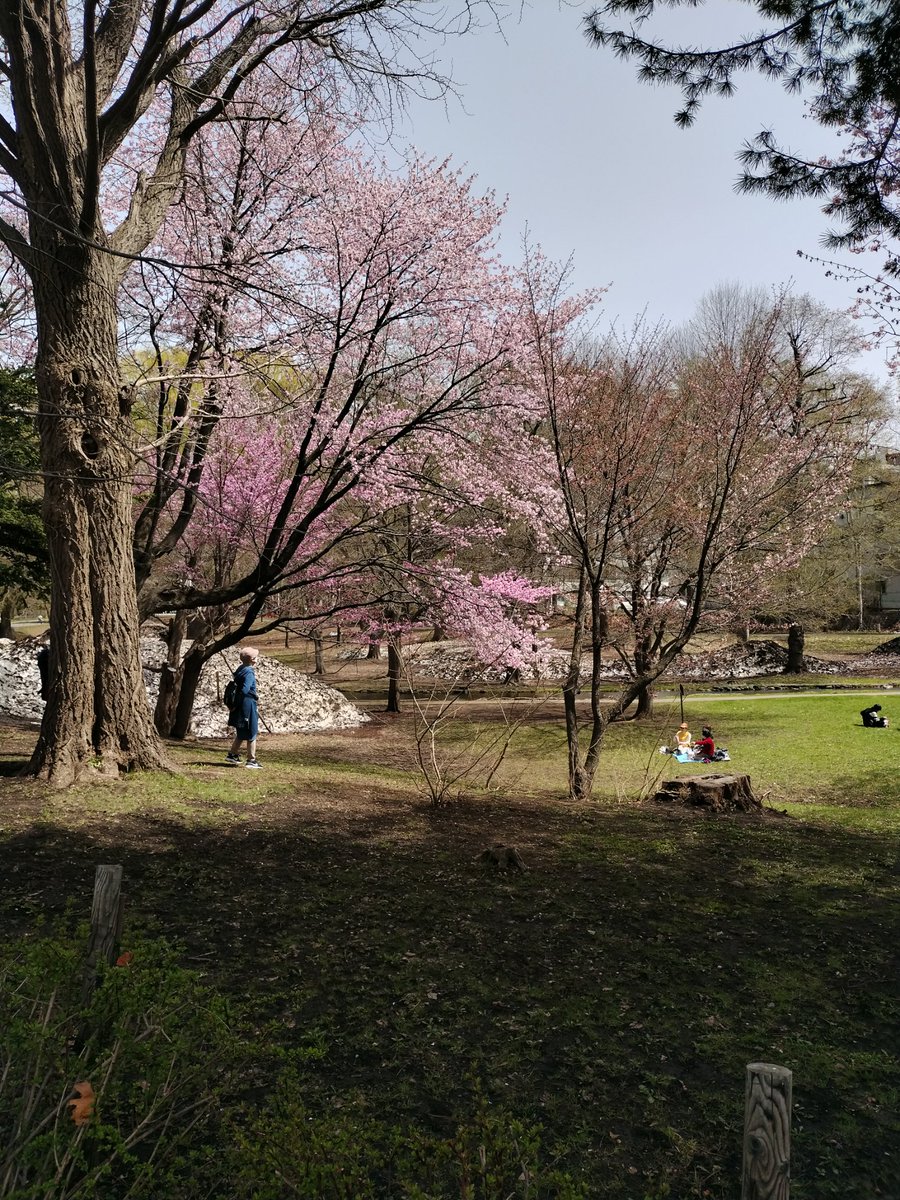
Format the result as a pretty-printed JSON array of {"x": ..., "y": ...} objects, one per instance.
[{"x": 705, "y": 747}]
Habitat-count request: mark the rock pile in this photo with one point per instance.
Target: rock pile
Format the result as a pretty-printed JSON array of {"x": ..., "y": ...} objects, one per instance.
[
  {"x": 20, "y": 681},
  {"x": 454, "y": 661},
  {"x": 746, "y": 660},
  {"x": 289, "y": 702},
  {"x": 883, "y": 660}
]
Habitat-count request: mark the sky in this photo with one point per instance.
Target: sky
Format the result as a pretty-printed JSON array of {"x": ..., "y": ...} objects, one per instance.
[{"x": 594, "y": 167}]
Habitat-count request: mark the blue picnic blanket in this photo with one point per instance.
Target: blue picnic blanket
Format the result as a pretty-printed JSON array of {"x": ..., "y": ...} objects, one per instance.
[{"x": 685, "y": 756}]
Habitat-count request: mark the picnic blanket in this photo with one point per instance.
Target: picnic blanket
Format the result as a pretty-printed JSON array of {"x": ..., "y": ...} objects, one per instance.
[{"x": 685, "y": 756}]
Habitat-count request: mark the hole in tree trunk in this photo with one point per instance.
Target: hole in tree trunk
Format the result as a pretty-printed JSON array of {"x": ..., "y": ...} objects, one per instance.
[
  {"x": 76, "y": 375},
  {"x": 89, "y": 445}
]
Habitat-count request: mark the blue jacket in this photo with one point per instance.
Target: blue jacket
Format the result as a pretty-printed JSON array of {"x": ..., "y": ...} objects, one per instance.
[{"x": 244, "y": 714}]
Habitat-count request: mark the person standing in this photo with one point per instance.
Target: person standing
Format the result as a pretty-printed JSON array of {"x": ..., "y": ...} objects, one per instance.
[{"x": 244, "y": 717}]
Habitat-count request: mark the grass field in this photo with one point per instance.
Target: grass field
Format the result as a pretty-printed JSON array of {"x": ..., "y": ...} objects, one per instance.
[
  {"x": 804, "y": 753},
  {"x": 409, "y": 1023}
]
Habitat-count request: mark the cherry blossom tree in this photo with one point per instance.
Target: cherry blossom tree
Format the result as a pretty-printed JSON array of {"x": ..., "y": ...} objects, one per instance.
[
  {"x": 100, "y": 104},
  {"x": 360, "y": 357},
  {"x": 442, "y": 554},
  {"x": 679, "y": 467}
]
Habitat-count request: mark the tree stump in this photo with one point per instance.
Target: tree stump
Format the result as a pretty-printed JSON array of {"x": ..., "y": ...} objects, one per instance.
[
  {"x": 718, "y": 793},
  {"x": 504, "y": 858}
]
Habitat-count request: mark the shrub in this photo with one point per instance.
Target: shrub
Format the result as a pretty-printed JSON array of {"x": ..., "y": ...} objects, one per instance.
[
  {"x": 287, "y": 1150},
  {"x": 154, "y": 1044},
  {"x": 158, "y": 1048}
]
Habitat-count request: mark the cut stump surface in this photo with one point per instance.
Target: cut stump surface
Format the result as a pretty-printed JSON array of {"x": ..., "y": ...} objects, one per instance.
[{"x": 718, "y": 793}]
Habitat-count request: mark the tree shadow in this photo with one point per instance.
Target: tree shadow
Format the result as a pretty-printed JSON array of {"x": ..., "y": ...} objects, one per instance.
[{"x": 624, "y": 978}]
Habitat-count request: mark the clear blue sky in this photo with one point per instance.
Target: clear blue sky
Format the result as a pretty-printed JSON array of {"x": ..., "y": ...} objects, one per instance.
[{"x": 593, "y": 165}]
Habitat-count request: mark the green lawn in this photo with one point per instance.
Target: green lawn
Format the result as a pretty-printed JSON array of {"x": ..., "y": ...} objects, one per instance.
[{"x": 802, "y": 753}]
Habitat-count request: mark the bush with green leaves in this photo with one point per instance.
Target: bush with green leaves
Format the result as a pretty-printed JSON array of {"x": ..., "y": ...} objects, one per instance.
[
  {"x": 155, "y": 1045},
  {"x": 171, "y": 1114},
  {"x": 288, "y": 1150}
]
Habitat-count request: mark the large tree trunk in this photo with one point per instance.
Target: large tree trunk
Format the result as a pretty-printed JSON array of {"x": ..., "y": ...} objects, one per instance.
[
  {"x": 570, "y": 689},
  {"x": 644, "y": 662},
  {"x": 170, "y": 677},
  {"x": 644, "y": 708},
  {"x": 97, "y": 713},
  {"x": 189, "y": 680},
  {"x": 796, "y": 662}
]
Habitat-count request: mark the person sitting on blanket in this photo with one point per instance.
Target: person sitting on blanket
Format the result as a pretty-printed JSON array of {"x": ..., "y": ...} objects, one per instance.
[
  {"x": 682, "y": 739},
  {"x": 871, "y": 719},
  {"x": 704, "y": 747}
]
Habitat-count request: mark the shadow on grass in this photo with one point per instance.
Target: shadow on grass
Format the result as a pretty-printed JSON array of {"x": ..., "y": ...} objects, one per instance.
[
  {"x": 877, "y": 787},
  {"x": 614, "y": 991}
]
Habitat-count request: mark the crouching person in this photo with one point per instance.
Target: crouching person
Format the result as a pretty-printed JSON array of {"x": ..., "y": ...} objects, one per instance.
[{"x": 872, "y": 720}]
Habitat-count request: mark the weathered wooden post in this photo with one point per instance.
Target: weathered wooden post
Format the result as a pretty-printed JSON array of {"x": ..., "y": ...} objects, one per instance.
[
  {"x": 106, "y": 924},
  {"x": 767, "y": 1133}
]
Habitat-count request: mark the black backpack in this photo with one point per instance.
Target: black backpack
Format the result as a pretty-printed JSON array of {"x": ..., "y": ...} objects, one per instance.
[{"x": 230, "y": 695}]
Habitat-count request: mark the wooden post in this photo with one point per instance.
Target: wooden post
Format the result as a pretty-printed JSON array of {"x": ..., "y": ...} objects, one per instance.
[
  {"x": 106, "y": 924},
  {"x": 767, "y": 1133}
]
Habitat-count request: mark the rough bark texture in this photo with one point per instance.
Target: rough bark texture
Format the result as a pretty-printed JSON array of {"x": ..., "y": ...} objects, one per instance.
[
  {"x": 644, "y": 708},
  {"x": 170, "y": 679},
  {"x": 645, "y": 659},
  {"x": 97, "y": 712},
  {"x": 189, "y": 680},
  {"x": 72, "y": 97},
  {"x": 796, "y": 662},
  {"x": 503, "y": 857},
  {"x": 719, "y": 793}
]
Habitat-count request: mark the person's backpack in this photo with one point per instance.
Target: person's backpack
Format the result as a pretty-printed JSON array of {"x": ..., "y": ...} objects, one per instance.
[{"x": 230, "y": 695}]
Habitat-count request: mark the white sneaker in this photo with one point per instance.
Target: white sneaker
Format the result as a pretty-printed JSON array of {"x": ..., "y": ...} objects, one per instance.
[
  {"x": 232, "y": 759},
  {"x": 252, "y": 764}
]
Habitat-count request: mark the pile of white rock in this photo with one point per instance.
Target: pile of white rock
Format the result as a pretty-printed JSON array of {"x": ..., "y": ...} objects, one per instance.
[
  {"x": 745, "y": 660},
  {"x": 20, "y": 680},
  {"x": 455, "y": 661},
  {"x": 289, "y": 702}
]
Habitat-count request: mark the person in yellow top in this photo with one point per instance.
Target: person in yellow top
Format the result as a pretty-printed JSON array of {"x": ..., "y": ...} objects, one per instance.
[{"x": 683, "y": 739}]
